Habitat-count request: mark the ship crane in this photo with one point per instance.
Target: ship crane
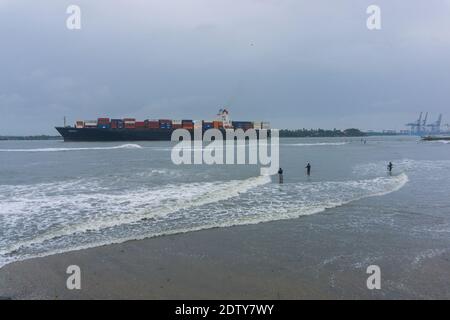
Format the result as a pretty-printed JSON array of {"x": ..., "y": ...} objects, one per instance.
[
  {"x": 436, "y": 126},
  {"x": 415, "y": 126},
  {"x": 424, "y": 123}
]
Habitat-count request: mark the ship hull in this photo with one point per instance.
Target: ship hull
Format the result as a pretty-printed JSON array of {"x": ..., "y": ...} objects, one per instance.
[
  {"x": 97, "y": 134},
  {"x": 100, "y": 134}
]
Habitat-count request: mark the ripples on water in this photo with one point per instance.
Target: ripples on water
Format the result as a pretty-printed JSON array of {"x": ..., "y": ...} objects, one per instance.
[{"x": 85, "y": 195}]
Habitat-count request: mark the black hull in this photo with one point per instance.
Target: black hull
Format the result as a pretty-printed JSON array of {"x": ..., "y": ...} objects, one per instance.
[{"x": 98, "y": 134}]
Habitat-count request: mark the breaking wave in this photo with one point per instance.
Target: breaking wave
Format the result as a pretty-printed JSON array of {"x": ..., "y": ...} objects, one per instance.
[
  {"x": 124, "y": 146},
  {"x": 52, "y": 222}
]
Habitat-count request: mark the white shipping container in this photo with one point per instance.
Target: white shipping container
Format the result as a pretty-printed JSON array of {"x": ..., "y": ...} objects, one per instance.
[
  {"x": 265, "y": 125},
  {"x": 90, "y": 123},
  {"x": 257, "y": 125},
  {"x": 176, "y": 121}
]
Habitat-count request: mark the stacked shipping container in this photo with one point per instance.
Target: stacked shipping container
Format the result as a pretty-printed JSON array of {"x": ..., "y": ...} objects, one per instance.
[
  {"x": 103, "y": 123},
  {"x": 177, "y": 124},
  {"x": 152, "y": 124},
  {"x": 90, "y": 124},
  {"x": 79, "y": 124},
  {"x": 165, "y": 124},
  {"x": 244, "y": 125},
  {"x": 117, "y": 124},
  {"x": 187, "y": 124},
  {"x": 217, "y": 124},
  {"x": 131, "y": 123},
  {"x": 207, "y": 125}
]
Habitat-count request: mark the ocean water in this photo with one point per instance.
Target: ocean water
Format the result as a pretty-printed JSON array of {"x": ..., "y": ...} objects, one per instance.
[{"x": 57, "y": 197}]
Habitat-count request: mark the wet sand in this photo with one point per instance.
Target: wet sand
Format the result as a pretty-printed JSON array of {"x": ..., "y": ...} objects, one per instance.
[{"x": 301, "y": 258}]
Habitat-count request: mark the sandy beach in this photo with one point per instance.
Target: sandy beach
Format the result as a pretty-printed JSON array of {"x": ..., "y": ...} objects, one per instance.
[{"x": 276, "y": 260}]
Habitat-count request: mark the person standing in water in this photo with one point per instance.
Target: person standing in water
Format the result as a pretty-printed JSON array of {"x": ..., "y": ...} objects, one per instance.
[
  {"x": 280, "y": 175},
  {"x": 390, "y": 166},
  {"x": 308, "y": 169}
]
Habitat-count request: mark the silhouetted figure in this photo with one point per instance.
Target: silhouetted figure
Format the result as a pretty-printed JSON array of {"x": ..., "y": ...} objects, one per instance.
[
  {"x": 308, "y": 169},
  {"x": 390, "y": 166},
  {"x": 280, "y": 175}
]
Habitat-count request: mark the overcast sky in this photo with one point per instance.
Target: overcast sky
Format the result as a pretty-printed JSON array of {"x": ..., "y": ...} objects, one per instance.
[{"x": 291, "y": 62}]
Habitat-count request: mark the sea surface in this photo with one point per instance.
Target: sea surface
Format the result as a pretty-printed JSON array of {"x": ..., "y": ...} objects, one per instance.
[{"x": 57, "y": 196}]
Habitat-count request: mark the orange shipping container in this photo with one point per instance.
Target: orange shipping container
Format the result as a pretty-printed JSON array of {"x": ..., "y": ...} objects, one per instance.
[
  {"x": 188, "y": 126},
  {"x": 217, "y": 124}
]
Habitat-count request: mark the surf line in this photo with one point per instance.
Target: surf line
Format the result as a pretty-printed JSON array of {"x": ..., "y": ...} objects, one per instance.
[{"x": 250, "y": 142}]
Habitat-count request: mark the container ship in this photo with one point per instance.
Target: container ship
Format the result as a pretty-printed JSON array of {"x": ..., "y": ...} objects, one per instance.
[{"x": 129, "y": 129}]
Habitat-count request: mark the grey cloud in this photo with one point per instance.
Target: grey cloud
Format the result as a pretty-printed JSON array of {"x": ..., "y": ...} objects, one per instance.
[{"x": 294, "y": 63}]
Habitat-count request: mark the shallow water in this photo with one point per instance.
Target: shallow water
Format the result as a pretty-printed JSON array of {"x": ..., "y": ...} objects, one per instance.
[{"x": 56, "y": 196}]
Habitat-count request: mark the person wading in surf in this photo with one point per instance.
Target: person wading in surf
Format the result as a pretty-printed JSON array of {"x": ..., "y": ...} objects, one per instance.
[
  {"x": 389, "y": 167},
  {"x": 280, "y": 175},
  {"x": 308, "y": 169}
]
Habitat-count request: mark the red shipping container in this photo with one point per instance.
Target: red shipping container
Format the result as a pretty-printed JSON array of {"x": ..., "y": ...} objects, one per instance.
[
  {"x": 177, "y": 126},
  {"x": 153, "y": 124},
  {"x": 129, "y": 119},
  {"x": 140, "y": 124}
]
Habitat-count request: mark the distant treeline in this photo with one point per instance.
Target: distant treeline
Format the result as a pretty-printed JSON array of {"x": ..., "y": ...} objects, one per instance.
[
  {"x": 40, "y": 137},
  {"x": 309, "y": 133}
]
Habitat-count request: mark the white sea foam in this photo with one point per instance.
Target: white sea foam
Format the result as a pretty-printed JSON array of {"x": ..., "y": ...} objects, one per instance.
[
  {"x": 123, "y": 146},
  {"x": 301, "y": 199},
  {"x": 101, "y": 210},
  {"x": 183, "y": 207}
]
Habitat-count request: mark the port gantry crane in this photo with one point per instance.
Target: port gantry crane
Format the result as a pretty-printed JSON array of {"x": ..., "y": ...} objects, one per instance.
[
  {"x": 424, "y": 123},
  {"x": 436, "y": 126},
  {"x": 420, "y": 126},
  {"x": 416, "y": 126}
]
